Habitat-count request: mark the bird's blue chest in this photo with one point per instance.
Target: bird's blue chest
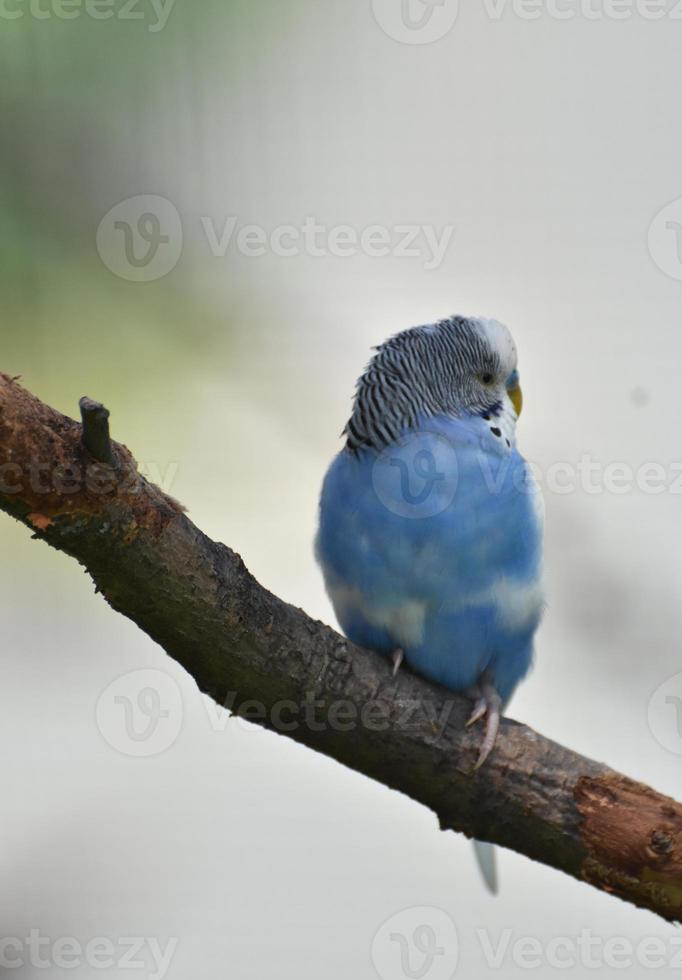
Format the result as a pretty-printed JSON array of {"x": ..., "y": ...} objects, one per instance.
[{"x": 434, "y": 546}]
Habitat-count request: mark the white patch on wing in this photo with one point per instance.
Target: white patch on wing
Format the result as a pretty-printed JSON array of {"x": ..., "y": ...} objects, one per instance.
[
  {"x": 518, "y": 602},
  {"x": 537, "y": 499},
  {"x": 404, "y": 622}
]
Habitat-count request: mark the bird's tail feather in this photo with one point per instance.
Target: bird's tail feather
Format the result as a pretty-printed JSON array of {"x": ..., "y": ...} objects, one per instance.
[{"x": 487, "y": 863}]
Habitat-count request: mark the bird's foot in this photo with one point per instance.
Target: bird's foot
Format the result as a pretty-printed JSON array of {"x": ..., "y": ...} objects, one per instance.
[
  {"x": 487, "y": 704},
  {"x": 397, "y": 657}
]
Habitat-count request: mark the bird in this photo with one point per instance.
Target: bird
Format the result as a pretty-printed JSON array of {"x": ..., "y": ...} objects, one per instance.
[{"x": 430, "y": 532}]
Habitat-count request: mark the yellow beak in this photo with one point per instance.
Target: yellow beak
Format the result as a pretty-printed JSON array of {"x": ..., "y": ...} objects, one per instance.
[{"x": 516, "y": 396}]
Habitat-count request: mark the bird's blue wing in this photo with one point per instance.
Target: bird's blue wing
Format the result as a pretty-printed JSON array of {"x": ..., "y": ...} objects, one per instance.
[{"x": 434, "y": 546}]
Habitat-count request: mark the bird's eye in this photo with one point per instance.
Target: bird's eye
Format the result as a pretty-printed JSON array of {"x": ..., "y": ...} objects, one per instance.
[{"x": 487, "y": 378}]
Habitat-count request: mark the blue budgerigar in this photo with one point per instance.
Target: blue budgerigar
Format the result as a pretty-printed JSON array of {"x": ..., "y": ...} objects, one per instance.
[{"x": 430, "y": 535}]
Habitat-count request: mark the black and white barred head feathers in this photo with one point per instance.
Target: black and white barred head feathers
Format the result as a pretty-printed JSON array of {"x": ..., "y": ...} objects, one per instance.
[{"x": 453, "y": 367}]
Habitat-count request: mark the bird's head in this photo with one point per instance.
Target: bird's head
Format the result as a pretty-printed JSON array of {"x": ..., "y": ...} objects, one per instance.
[{"x": 456, "y": 367}]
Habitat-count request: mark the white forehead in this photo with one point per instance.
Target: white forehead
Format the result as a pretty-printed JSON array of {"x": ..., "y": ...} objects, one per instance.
[{"x": 500, "y": 340}]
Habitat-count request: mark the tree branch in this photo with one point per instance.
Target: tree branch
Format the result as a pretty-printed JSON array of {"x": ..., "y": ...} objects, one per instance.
[
  {"x": 95, "y": 418},
  {"x": 195, "y": 598}
]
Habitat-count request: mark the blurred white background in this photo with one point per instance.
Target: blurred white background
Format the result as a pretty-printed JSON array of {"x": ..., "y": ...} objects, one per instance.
[{"x": 547, "y": 147}]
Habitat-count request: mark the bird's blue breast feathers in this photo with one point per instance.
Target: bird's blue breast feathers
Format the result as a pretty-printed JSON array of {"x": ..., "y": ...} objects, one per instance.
[{"x": 433, "y": 546}]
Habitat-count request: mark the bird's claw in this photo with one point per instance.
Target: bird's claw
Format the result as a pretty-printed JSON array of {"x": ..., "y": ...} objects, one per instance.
[
  {"x": 487, "y": 704},
  {"x": 480, "y": 708},
  {"x": 397, "y": 658}
]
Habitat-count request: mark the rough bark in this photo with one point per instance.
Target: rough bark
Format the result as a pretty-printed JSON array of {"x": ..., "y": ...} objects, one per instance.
[{"x": 82, "y": 494}]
